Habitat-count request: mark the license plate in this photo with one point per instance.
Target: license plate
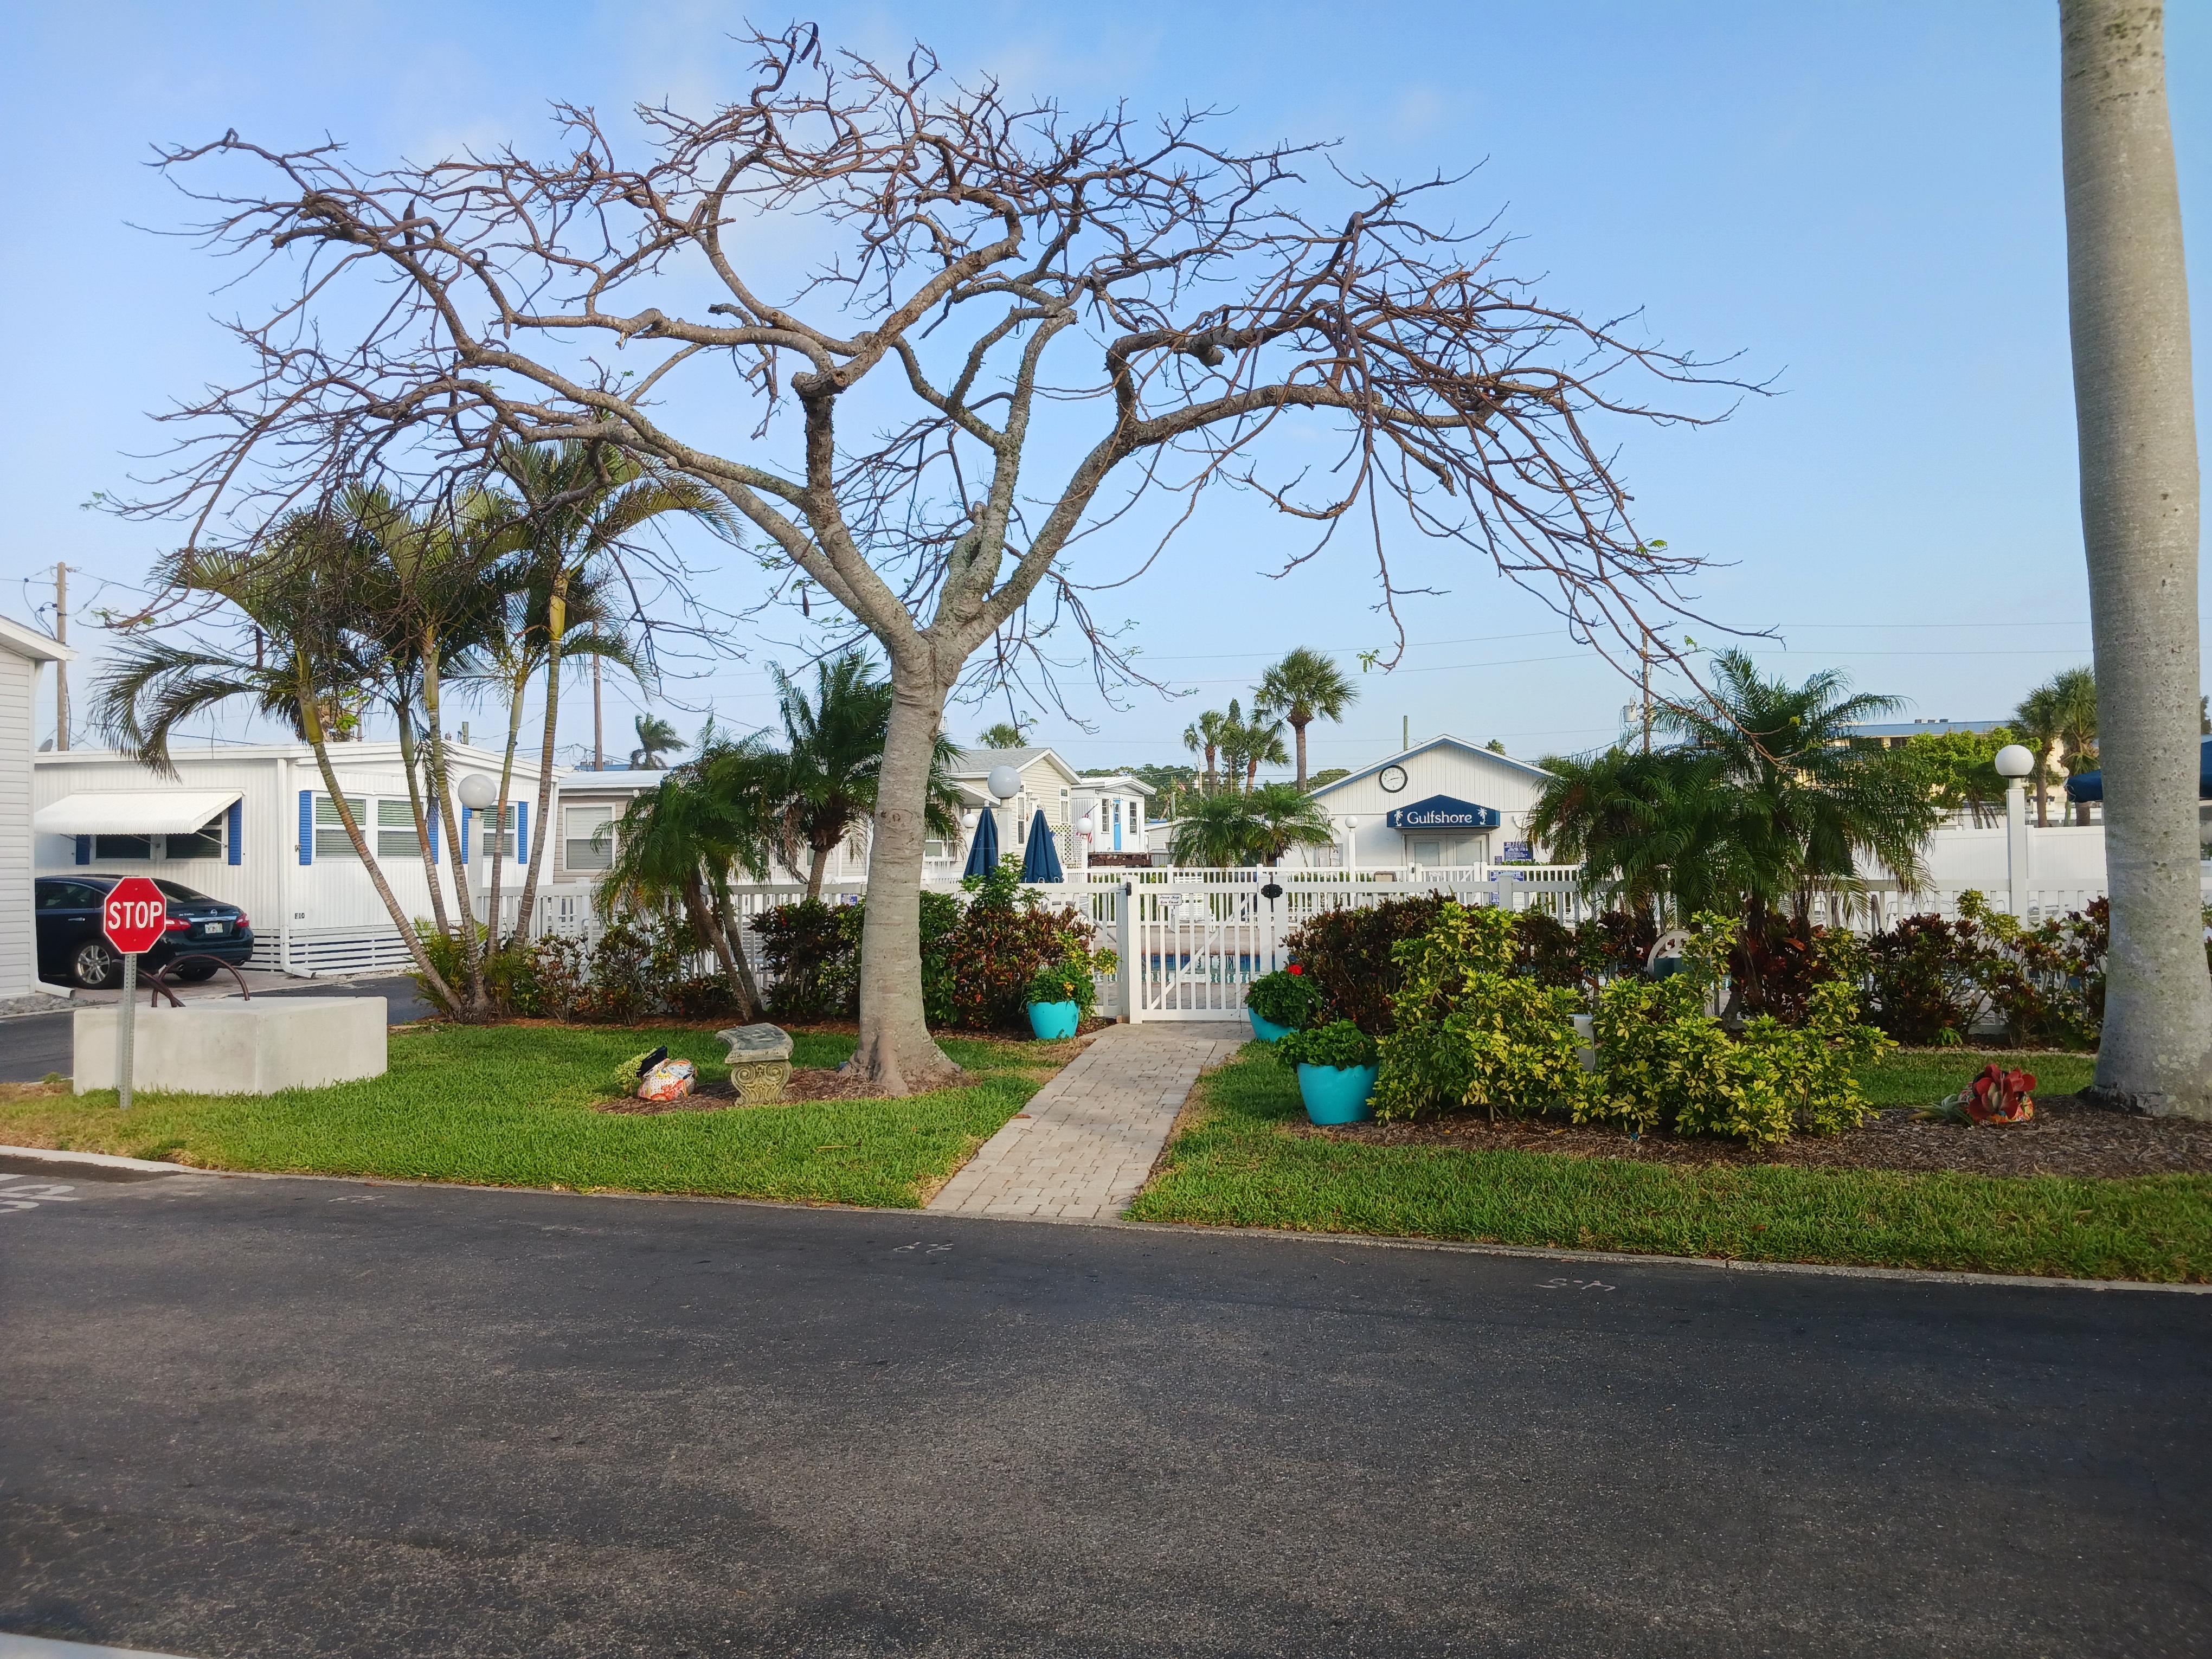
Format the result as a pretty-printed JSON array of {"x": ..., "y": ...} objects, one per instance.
[{"x": 214, "y": 926}]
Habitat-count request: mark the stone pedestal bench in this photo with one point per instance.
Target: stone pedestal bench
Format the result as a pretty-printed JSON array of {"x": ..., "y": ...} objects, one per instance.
[
  {"x": 760, "y": 1062},
  {"x": 242, "y": 1047}
]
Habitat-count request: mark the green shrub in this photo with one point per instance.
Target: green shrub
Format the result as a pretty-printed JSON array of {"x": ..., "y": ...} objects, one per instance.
[
  {"x": 1064, "y": 981},
  {"x": 1468, "y": 1030},
  {"x": 1285, "y": 996},
  {"x": 1347, "y": 954},
  {"x": 1339, "y": 1044},
  {"x": 1669, "y": 1064},
  {"x": 1002, "y": 938},
  {"x": 812, "y": 948},
  {"x": 640, "y": 966}
]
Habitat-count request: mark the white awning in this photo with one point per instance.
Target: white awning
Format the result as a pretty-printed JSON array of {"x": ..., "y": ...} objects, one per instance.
[{"x": 132, "y": 812}]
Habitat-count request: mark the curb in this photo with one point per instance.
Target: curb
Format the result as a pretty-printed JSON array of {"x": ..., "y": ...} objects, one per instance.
[
  {"x": 1184, "y": 1228},
  {"x": 105, "y": 1161}
]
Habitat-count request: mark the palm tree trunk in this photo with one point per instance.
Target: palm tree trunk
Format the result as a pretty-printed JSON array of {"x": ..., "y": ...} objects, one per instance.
[
  {"x": 442, "y": 796},
  {"x": 1298, "y": 727},
  {"x": 731, "y": 945},
  {"x": 815, "y": 871},
  {"x": 2127, "y": 290},
  {"x": 897, "y": 1052},
  {"x": 311, "y": 718},
  {"x": 492, "y": 924},
  {"x": 407, "y": 758},
  {"x": 710, "y": 927},
  {"x": 558, "y": 626}
]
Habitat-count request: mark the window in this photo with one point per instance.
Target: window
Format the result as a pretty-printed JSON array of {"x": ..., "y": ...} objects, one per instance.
[
  {"x": 589, "y": 836},
  {"x": 485, "y": 820},
  {"x": 68, "y": 895},
  {"x": 395, "y": 831},
  {"x": 123, "y": 847},
  {"x": 204, "y": 842},
  {"x": 331, "y": 840}
]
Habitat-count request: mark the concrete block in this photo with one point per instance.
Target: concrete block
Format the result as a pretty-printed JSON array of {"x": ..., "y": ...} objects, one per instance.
[{"x": 242, "y": 1047}]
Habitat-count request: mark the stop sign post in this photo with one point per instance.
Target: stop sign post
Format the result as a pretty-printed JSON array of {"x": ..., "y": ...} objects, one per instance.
[{"x": 134, "y": 918}]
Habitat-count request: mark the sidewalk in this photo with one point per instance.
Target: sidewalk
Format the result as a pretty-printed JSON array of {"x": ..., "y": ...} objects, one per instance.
[{"x": 1083, "y": 1149}]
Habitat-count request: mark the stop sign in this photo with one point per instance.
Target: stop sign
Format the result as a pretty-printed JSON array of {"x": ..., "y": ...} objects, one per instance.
[{"x": 134, "y": 916}]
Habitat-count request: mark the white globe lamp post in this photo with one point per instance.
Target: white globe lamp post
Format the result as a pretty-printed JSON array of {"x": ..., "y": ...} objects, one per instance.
[{"x": 2014, "y": 764}]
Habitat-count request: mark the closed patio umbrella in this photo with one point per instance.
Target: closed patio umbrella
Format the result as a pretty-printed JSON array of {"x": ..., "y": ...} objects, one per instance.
[
  {"x": 983, "y": 851},
  {"x": 1041, "y": 858},
  {"x": 2090, "y": 786}
]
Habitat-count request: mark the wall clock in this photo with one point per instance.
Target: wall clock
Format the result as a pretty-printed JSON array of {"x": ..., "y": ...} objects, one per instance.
[{"x": 1393, "y": 779}]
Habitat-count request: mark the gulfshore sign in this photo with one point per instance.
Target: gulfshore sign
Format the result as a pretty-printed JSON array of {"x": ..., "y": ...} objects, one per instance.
[{"x": 1442, "y": 812}]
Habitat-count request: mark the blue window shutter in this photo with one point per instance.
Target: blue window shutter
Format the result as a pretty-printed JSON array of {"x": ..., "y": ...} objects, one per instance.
[
  {"x": 306, "y": 826},
  {"x": 234, "y": 834},
  {"x": 84, "y": 849},
  {"x": 522, "y": 832},
  {"x": 432, "y": 816},
  {"x": 467, "y": 813}
]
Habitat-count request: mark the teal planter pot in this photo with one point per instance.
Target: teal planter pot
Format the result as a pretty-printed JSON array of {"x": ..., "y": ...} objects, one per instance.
[
  {"x": 1265, "y": 1029},
  {"x": 1054, "y": 1019},
  {"x": 1338, "y": 1094}
]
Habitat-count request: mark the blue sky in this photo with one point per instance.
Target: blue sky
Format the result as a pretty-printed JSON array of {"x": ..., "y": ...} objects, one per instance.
[{"x": 1862, "y": 200}]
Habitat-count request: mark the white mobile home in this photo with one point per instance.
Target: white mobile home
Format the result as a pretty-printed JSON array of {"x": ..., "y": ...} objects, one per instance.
[
  {"x": 23, "y": 651},
  {"x": 255, "y": 825}
]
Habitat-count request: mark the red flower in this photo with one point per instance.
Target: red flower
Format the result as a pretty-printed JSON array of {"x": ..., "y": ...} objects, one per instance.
[{"x": 1296, "y": 968}]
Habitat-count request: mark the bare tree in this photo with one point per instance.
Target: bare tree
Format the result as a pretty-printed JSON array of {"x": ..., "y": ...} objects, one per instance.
[
  {"x": 1032, "y": 325},
  {"x": 2128, "y": 305}
]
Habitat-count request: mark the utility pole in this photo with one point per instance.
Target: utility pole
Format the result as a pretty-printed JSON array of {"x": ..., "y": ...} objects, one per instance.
[
  {"x": 61, "y": 669},
  {"x": 1644, "y": 654},
  {"x": 598, "y": 714}
]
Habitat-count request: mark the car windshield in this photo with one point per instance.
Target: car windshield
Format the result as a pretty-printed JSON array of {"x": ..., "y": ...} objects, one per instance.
[{"x": 182, "y": 894}]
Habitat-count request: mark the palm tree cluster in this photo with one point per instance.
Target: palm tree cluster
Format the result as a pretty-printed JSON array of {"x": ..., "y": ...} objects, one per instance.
[
  {"x": 740, "y": 805},
  {"x": 1303, "y": 687},
  {"x": 1761, "y": 804},
  {"x": 2058, "y": 721},
  {"x": 364, "y": 600}
]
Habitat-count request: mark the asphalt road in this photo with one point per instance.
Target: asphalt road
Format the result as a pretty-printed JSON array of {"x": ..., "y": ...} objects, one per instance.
[
  {"x": 283, "y": 1418},
  {"x": 32, "y": 1045}
]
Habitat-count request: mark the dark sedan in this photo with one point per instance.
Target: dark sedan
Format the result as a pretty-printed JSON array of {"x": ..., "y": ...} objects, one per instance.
[{"x": 72, "y": 948}]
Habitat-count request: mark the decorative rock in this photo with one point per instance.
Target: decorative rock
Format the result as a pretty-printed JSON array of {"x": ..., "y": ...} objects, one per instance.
[{"x": 760, "y": 1061}]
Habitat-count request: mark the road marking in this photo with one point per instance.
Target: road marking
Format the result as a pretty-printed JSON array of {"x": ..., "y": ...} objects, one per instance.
[
  {"x": 1577, "y": 1285},
  {"x": 29, "y": 1198}
]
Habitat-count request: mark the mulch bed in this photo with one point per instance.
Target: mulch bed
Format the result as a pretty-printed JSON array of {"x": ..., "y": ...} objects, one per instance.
[{"x": 2066, "y": 1137}]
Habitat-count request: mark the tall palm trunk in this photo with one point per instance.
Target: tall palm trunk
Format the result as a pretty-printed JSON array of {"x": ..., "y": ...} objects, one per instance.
[
  {"x": 410, "y": 760},
  {"x": 557, "y": 626},
  {"x": 896, "y": 1052},
  {"x": 710, "y": 923},
  {"x": 817, "y": 867},
  {"x": 729, "y": 945},
  {"x": 1298, "y": 727},
  {"x": 2129, "y": 310},
  {"x": 311, "y": 721},
  {"x": 442, "y": 800},
  {"x": 516, "y": 688}
]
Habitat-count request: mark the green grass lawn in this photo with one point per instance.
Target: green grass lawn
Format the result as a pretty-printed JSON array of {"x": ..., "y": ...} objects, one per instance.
[
  {"x": 510, "y": 1106},
  {"x": 1236, "y": 1167}
]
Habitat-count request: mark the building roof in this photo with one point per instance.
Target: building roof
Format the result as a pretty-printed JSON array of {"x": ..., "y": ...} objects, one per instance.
[
  {"x": 980, "y": 763},
  {"x": 1119, "y": 782},
  {"x": 1913, "y": 728},
  {"x": 29, "y": 642},
  {"x": 1405, "y": 755}
]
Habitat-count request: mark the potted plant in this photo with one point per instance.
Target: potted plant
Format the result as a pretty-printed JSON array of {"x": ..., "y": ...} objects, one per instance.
[
  {"x": 1280, "y": 1003},
  {"x": 1060, "y": 995},
  {"x": 1337, "y": 1066}
]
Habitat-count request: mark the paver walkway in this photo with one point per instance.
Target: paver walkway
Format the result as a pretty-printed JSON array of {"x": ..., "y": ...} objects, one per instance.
[{"x": 1084, "y": 1146}]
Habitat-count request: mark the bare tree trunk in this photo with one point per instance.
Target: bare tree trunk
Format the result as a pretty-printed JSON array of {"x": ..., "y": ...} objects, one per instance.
[
  {"x": 896, "y": 1052},
  {"x": 2129, "y": 310}
]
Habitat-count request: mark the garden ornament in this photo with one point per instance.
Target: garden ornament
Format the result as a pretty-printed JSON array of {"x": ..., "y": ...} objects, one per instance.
[
  {"x": 1998, "y": 1096},
  {"x": 671, "y": 1079},
  {"x": 760, "y": 1061}
]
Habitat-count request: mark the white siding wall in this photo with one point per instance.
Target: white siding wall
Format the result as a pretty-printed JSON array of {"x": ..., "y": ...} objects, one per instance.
[
  {"x": 1473, "y": 775},
  {"x": 19, "y": 678}
]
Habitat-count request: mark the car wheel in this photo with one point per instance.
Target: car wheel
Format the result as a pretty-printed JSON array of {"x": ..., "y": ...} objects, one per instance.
[
  {"x": 192, "y": 973},
  {"x": 95, "y": 967}
]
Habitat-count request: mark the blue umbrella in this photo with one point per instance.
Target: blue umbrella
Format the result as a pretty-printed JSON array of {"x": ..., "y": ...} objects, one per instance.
[
  {"x": 2090, "y": 786},
  {"x": 1041, "y": 858},
  {"x": 983, "y": 851}
]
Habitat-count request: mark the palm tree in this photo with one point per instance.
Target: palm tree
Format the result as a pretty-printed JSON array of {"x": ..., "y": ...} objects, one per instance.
[
  {"x": 680, "y": 842},
  {"x": 1214, "y": 832},
  {"x": 300, "y": 601},
  {"x": 1645, "y": 825},
  {"x": 2037, "y": 719},
  {"x": 581, "y": 502},
  {"x": 1305, "y": 686},
  {"x": 655, "y": 738},
  {"x": 2075, "y": 692},
  {"x": 1284, "y": 816},
  {"x": 1203, "y": 737},
  {"x": 2128, "y": 294},
  {"x": 835, "y": 753},
  {"x": 1247, "y": 745},
  {"x": 1003, "y": 735}
]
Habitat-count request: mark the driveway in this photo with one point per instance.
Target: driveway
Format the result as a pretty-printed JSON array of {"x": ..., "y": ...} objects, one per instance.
[
  {"x": 32, "y": 1045},
  {"x": 282, "y": 1417}
]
